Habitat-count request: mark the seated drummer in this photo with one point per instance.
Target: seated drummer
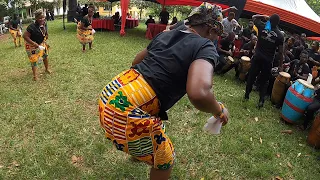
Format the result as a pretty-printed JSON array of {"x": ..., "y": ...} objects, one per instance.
[
  {"x": 248, "y": 32},
  {"x": 314, "y": 56},
  {"x": 248, "y": 48},
  {"x": 299, "y": 69},
  {"x": 225, "y": 49},
  {"x": 289, "y": 50}
]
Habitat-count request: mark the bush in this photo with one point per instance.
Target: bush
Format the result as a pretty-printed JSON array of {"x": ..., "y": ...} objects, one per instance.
[
  {"x": 27, "y": 21},
  {"x": 59, "y": 16}
]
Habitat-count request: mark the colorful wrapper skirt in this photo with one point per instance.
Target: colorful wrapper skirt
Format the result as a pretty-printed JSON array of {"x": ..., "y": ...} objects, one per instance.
[
  {"x": 36, "y": 55},
  {"x": 16, "y": 35},
  {"x": 128, "y": 109},
  {"x": 84, "y": 36}
]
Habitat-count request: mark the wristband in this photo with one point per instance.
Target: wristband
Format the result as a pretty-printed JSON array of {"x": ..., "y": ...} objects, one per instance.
[{"x": 221, "y": 114}]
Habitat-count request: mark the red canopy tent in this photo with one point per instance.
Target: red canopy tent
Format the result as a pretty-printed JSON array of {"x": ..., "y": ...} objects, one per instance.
[
  {"x": 294, "y": 13},
  {"x": 314, "y": 38}
]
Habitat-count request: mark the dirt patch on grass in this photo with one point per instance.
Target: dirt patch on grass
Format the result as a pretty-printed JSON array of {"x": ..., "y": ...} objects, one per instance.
[{"x": 4, "y": 37}]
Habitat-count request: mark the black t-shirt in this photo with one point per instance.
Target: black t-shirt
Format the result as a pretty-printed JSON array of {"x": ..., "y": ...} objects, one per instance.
[
  {"x": 37, "y": 33},
  {"x": 84, "y": 11},
  {"x": 301, "y": 69},
  {"x": 178, "y": 24},
  {"x": 150, "y": 21},
  {"x": 166, "y": 66},
  {"x": 85, "y": 21},
  {"x": 249, "y": 47},
  {"x": 164, "y": 16},
  {"x": 226, "y": 45},
  {"x": 268, "y": 41},
  {"x": 314, "y": 55},
  {"x": 15, "y": 23},
  {"x": 248, "y": 33}
]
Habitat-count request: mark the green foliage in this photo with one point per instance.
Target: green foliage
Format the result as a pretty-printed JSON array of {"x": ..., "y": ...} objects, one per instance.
[
  {"x": 315, "y": 5},
  {"x": 181, "y": 12},
  {"x": 9, "y": 7},
  {"x": 27, "y": 20}
]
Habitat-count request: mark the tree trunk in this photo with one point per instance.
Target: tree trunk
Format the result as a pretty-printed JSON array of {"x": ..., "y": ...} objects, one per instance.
[{"x": 140, "y": 13}]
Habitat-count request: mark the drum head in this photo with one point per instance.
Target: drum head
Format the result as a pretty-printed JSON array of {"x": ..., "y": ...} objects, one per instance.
[
  {"x": 245, "y": 58},
  {"x": 230, "y": 58},
  {"x": 305, "y": 83},
  {"x": 284, "y": 74}
]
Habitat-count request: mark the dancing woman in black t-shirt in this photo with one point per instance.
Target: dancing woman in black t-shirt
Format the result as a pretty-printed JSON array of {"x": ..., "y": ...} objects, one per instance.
[
  {"x": 269, "y": 39},
  {"x": 175, "y": 63},
  {"x": 36, "y": 47}
]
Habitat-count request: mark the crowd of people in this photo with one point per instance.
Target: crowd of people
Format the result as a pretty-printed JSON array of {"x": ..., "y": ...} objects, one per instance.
[
  {"x": 164, "y": 18},
  {"x": 271, "y": 51}
]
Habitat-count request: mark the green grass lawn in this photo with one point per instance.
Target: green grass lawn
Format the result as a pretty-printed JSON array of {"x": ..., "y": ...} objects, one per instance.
[{"x": 50, "y": 128}]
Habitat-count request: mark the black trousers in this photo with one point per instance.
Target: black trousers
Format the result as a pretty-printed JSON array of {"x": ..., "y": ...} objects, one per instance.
[
  {"x": 222, "y": 63},
  {"x": 311, "y": 110},
  {"x": 259, "y": 65}
]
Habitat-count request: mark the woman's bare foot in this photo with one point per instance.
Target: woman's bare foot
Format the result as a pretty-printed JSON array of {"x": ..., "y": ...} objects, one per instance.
[
  {"x": 48, "y": 71},
  {"x": 35, "y": 78}
]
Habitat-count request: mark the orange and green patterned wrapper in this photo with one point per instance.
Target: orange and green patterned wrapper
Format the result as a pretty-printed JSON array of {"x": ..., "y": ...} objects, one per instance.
[{"x": 128, "y": 109}]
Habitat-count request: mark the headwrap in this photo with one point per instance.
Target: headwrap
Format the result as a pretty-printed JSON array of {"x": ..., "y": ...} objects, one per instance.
[
  {"x": 38, "y": 14},
  {"x": 207, "y": 13}
]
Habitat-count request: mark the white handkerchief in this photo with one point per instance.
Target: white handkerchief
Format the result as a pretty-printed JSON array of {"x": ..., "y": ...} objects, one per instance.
[
  {"x": 213, "y": 126},
  {"x": 42, "y": 48}
]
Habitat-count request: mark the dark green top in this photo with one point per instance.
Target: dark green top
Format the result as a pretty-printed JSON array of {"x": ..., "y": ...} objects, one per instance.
[
  {"x": 15, "y": 23},
  {"x": 85, "y": 21}
]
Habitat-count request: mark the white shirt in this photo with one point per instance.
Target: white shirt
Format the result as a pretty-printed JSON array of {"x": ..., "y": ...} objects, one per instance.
[{"x": 228, "y": 26}]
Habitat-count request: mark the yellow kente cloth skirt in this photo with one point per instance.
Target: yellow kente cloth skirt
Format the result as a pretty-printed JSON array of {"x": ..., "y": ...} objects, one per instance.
[
  {"x": 15, "y": 33},
  {"x": 36, "y": 55},
  {"x": 128, "y": 109},
  {"x": 84, "y": 36}
]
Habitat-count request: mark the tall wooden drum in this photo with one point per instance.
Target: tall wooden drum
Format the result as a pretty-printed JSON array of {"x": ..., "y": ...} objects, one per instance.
[
  {"x": 279, "y": 88},
  {"x": 244, "y": 67},
  {"x": 314, "y": 134},
  {"x": 230, "y": 61}
]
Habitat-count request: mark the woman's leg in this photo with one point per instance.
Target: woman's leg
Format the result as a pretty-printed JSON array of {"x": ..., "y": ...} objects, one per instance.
[
  {"x": 34, "y": 71},
  {"x": 19, "y": 38},
  {"x": 15, "y": 42},
  {"x": 157, "y": 174},
  {"x": 46, "y": 65},
  {"x": 90, "y": 45}
]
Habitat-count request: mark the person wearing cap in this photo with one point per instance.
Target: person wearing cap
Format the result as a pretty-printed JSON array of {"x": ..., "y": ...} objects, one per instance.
[
  {"x": 85, "y": 31},
  {"x": 269, "y": 39},
  {"x": 15, "y": 30},
  {"x": 177, "y": 62},
  {"x": 35, "y": 44}
]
